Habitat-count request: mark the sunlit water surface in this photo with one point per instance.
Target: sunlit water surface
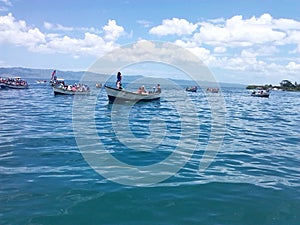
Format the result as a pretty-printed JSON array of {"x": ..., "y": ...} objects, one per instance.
[{"x": 254, "y": 178}]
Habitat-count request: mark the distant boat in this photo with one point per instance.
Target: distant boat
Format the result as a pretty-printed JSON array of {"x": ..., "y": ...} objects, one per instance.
[
  {"x": 212, "y": 90},
  {"x": 192, "y": 89},
  {"x": 261, "y": 93},
  {"x": 72, "y": 90},
  {"x": 99, "y": 85},
  {"x": 13, "y": 83},
  {"x": 115, "y": 94},
  {"x": 57, "y": 81},
  {"x": 41, "y": 81}
]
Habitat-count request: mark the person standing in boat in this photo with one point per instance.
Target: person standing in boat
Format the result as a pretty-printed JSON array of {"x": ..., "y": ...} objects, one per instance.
[
  {"x": 158, "y": 89},
  {"x": 119, "y": 78}
]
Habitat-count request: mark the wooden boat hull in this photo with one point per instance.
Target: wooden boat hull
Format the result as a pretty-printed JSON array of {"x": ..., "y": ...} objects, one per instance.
[
  {"x": 60, "y": 91},
  {"x": 191, "y": 89},
  {"x": 261, "y": 95},
  {"x": 14, "y": 86},
  {"x": 212, "y": 90},
  {"x": 122, "y": 95}
]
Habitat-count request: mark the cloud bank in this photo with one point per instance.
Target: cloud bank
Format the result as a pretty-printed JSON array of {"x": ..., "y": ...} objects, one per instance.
[
  {"x": 17, "y": 32},
  {"x": 263, "y": 45}
]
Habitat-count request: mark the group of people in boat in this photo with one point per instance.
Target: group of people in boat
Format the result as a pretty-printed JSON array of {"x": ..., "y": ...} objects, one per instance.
[
  {"x": 212, "y": 90},
  {"x": 75, "y": 87},
  {"x": 192, "y": 89},
  {"x": 13, "y": 81},
  {"x": 59, "y": 83},
  {"x": 141, "y": 89},
  {"x": 99, "y": 85},
  {"x": 260, "y": 92}
]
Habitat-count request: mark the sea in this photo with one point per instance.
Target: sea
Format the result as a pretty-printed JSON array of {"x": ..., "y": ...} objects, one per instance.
[{"x": 188, "y": 158}]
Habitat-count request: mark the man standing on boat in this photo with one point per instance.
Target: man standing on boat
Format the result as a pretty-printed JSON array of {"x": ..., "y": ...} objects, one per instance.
[
  {"x": 158, "y": 89},
  {"x": 119, "y": 78}
]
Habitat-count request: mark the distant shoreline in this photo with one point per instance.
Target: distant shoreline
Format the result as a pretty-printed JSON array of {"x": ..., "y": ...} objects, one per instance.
[
  {"x": 285, "y": 85},
  {"x": 45, "y": 74}
]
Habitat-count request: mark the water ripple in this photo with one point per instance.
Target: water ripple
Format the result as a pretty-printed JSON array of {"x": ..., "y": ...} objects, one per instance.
[{"x": 40, "y": 160}]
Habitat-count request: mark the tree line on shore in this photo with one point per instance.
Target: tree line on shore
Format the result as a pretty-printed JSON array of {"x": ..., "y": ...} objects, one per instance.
[{"x": 285, "y": 85}]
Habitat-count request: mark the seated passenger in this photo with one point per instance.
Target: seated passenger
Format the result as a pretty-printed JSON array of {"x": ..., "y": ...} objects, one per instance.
[
  {"x": 144, "y": 91},
  {"x": 139, "y": 90}
]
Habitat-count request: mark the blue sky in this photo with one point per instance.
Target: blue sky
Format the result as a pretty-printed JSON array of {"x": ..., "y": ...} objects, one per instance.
[{"x": 240, "y": 41}]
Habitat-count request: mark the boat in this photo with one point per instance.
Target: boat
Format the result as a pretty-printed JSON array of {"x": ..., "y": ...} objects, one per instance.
[
  {"x": 115, "y": 94},
  {"x": 99, "y": 85},
  {"x": 13, "y": 83},
  {"x": 212, "y": 90},
  {"x": 80, "y": 89},
  {"x": 192, "y": 89},
  {"x": 57, "y": 82},
  {"x": 261, "y": 93},
  {"x": 41, "y": 81}
]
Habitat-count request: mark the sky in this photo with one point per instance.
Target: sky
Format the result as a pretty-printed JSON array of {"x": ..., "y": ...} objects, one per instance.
[{"x": 246, "y": 42}]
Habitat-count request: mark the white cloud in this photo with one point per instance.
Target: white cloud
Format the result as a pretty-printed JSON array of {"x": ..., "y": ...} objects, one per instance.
[
  {"x": 202, "y": 53},
  {"x": 57, "y": 27},
  {"x": 48, "y": 25},
  {"x": 174, "y": 26},
  {"x": 217, "y": 20},
  {"x": 91, "y": 44},
  {"x": 186, "y": 44},
  {"x": 6, "y": 2},
  {"x": 248, "y": 64},
  {"x": 286, "y": 24},
  {"x": 5, "y": 5},
  {"x": 219, "y": 49},
  {"x": 258, "y": 45},
  {"x": 239, "y": 32},
  {"x": 293, "y": 66},
  {"x": 293, "y": 37},
  {"x": 234, "y": 44},
  {"x": 248, "y": 61},
  {"x": 112, "y": 31},
  {"x": 145, "y": 50},
  {"x": 17, "y": 32},
  {"x": 145, "y": 23}
]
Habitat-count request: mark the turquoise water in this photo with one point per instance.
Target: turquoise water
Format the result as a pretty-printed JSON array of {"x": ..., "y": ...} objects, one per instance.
[{"x": 254, "y": 178}]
